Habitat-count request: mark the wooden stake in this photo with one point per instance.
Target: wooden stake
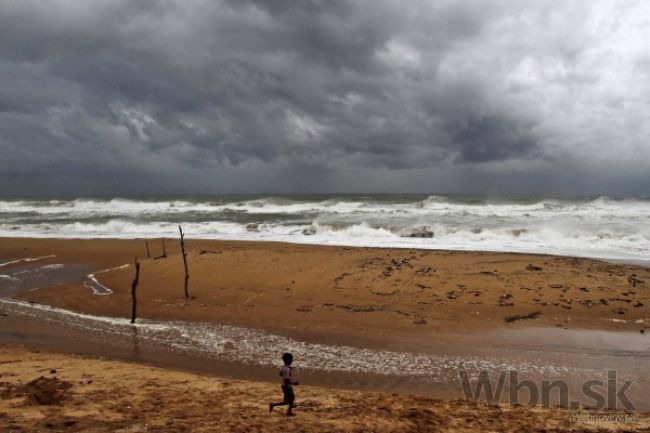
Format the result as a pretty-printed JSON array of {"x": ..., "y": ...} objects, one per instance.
[
  {"x": 187, "y": 274},
  {"x": 146, "y": 243},
  {"x": 164, "y": 251},
  {"x": 134, "y": 286}
]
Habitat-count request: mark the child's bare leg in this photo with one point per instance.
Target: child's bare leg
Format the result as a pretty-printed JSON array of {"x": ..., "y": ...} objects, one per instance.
[{"x": 273, "y": 405}]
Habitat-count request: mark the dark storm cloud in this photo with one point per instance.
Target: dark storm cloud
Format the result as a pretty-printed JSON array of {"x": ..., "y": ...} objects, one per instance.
[
  {"x": 490, "y": 139},
  {"x": 106, "y": 94}
]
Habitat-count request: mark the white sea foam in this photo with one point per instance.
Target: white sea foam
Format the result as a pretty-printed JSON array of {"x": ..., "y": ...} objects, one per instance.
[
  {"x": 255, "y": 347},
  {"x": 599, "y": 227},
  {"x": 26, "y": 259},
  {"x": 98, "y": 288}
]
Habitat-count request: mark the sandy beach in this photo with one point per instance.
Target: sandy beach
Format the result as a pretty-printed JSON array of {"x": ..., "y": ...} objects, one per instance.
[
  {"x": 360, "y": 320},
  {"x": 44, "y": 391},
  {"x": 330, "y": 290}
]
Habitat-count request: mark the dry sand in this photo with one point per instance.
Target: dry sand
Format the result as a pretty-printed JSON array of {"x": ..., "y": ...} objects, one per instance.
[{"x": 41, "y": 391}]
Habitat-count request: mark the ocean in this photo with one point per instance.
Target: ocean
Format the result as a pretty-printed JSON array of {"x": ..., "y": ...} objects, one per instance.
[{"x": 599, "y": 227}]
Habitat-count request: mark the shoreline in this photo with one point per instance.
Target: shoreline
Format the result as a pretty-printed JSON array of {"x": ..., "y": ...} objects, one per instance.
[
  {"x": 536, "y": 353},
  {"x": 609, "y": 259}
]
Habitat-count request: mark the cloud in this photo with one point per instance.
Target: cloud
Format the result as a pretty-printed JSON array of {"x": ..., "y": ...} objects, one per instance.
[{"x": 198, "y": 96}]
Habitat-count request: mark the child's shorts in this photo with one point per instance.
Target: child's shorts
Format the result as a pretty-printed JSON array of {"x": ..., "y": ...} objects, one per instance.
[{"x": 289, "y": 397}]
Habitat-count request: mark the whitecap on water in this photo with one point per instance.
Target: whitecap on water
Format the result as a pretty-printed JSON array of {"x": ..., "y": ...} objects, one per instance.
[{"x": 600, "y": 227}]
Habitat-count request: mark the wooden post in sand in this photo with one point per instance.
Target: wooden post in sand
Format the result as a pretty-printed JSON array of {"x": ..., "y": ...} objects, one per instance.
[
  {"x": 164, "y": 251},
  {"x": 187, "y": 274},
  {"x": 134, "y": 286},
  {"x": 146, "y": 243}
]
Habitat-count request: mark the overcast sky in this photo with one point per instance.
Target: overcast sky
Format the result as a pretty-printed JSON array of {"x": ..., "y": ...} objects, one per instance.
[{"x": 191, "y": 96}]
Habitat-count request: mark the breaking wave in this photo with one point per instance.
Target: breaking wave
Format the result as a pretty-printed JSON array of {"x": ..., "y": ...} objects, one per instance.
[{"x": 602, "y": 227}]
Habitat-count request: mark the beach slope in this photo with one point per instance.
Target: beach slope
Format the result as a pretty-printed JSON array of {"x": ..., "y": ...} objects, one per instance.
[{"x": 42, "y": 391}]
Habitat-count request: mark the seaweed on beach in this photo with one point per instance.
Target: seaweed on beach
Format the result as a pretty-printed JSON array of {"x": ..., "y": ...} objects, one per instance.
[
  {"x": 41, "y": 391},
  {"x": 516, "y": 317}
]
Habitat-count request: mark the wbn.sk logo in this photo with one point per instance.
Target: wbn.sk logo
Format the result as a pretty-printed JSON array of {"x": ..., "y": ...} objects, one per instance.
[{"x": 604, "y": 394}]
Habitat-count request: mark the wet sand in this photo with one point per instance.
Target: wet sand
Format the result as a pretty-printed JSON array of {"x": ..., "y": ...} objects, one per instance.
[{"x": 45, "y": 391}]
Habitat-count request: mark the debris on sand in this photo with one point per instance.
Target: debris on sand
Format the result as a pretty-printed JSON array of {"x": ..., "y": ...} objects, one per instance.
[
  {"x": 452, "y": 294},
  {"x": 587, "y": 303},
  {"x": 44, "y": 391},
  {"x": 340, "y": 277},
  {"x": 380, "y": 293},
  {"x": 363, "y": 308},
  {"x": 397, "y": 264},
  {"x": 532, "y": 267},
  {"x": 504, "y": 300},
  {"x": 633, "y": 280},
  {"x": 516, "y": 317},
  {"x": 424, "y": 270},
  {"x": 201, "y": 252}
]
